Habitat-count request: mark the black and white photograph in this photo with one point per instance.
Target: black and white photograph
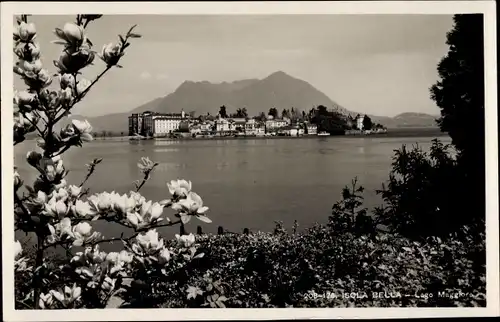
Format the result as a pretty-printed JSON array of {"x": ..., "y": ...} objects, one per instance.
[{"x": 311, "y": 156}]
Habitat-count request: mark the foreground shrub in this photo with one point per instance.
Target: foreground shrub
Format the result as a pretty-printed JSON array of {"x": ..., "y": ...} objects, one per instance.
[{"x": 300, "y": 270}]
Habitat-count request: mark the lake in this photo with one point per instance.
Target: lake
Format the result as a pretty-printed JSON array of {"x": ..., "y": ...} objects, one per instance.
[{"x": 245, "y": 182}]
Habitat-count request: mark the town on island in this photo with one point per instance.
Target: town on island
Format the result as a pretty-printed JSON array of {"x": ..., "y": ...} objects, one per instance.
[{"x": 317, "y": 122}]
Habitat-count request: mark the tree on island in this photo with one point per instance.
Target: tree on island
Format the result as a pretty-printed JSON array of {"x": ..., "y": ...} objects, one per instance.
[
  {"x": 223, "y": 112},
  {"x": 240, "y": 113},
  {"x": 261, "y": 117},
  {"x": 273, "y": 112},
  {"x": 367, "y": 123},
  {"x": 285, "y": 113}
]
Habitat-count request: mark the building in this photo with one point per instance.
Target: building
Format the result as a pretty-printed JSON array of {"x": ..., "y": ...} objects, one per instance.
[
  {"x": 274, "y": 124},
  {"x": 312, "y": 129},
  {"x": 155, "y": 124},
  {"x": 359, "y": 122}
]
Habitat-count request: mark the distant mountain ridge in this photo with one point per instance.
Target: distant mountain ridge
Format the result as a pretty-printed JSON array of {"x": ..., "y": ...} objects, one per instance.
[{"x": 278, "y": 90}]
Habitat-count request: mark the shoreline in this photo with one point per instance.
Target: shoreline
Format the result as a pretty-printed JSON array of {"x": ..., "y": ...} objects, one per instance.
[{"x": 404, "y": 132}]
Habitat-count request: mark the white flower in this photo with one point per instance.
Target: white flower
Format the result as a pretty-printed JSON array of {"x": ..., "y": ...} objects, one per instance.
[
  {"x": 41, "y": 198},
  {"x": 134, "y": 219},
  {"x": 84, "y": 129},
  {"x": 61, "y": 194},
  {"x": 108, "y": 284},
  {"x": 23, "y": 98},
  {"x": 125, "y": 257},
  {"x": 164, "y": 256},
  {"x": 192, "y": 205},
  {"x": 18, "y": 249},
  {"x": 34, "y": 49},
  {"x": 179, "y": 188},
  {"x": 25, "y": 31},
  {"x": 66, "y": 96},
  {"x": 44, "y": 77},
  {"x": 110, "y": 53},
  {"x": 67, "y": 80},
  {"x": 55, "y": 208},
  {"x": 72, "y": 33},
  {"x": 82, "y": 233},
  {"x": 148, "y": 242},
  {"x": 74, "y": 191},
  {"x": 82, "y": 209},
  {"x": 103, "y": 201},
  {"x": 62, "y": 228},
  {"x": 46, "y": 300},
  {"x": 31, "y": 66},
  {"x": 125, "y": 204},
  {"x": 186, "y": 240},
  {"x": 113, "y": 258}
]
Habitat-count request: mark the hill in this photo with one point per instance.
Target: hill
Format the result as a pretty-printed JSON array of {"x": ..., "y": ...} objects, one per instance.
[{"x": 278, "y": 90}]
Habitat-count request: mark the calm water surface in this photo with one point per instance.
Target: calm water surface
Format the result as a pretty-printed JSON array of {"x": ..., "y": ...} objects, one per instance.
[{"x": 245, "y": 183}]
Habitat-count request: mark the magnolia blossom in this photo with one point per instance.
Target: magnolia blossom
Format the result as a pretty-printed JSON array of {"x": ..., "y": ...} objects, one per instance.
[
  {"x": 34, "y": 49},
  {"x": 147, "y": 243},
  {"x": 82, "y": 209},
  {"x": 34, "y": 66},
  {"x": 41, "y": 198},
  {"x": 82, "y": 232},
  {"x": 71, "y": 33},
  {"x": 103, "y": 201},
  {"x": 66, "y": 96},
  {"x": 185, "y": 240},
  {"x": 179, "y": 188},
  {"x": 46, "y": 300},
  {"x": 84, "y": 129},
  {"x": 164, "y": 256},
  {"x": 74, "y": 191},
  {"x": 61, "y": 194},
  {"x": 33, "y": 158},
  {"x": 67, "y": 80},
  {"x": 44, "y": 78},
  {"x": 192, "y": 205},
  {"x": 111, "y": 53},
  {"x": 24, "y": 98},
  {"x": 55, "y": 208},
  {"x": 125, "y": 204},
  {"x": 25, "y": 31},
  {"x": 146, "y": 217},
  {"x": 69, "y": 295}
]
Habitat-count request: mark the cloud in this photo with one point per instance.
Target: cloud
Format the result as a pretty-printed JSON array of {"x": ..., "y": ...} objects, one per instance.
[{"x": 145, "y": 75}]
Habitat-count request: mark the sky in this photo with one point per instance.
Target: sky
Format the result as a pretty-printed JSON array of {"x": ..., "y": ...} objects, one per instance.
[{"x": 377, "y": 64}]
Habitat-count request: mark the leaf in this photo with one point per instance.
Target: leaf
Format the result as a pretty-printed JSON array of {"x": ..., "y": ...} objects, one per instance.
[
  {"x": 204, "y": 218},
  {"x": 134, "y": 36}
]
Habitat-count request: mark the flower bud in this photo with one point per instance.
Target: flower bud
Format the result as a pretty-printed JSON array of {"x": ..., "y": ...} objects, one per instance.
[
  {"x": 31, "y": 66},
  {"x": 82, "y": 126},
  {"x": 34, "y": 49},
  {"x": 26, "y": 31},
  {"x": 110, "y": 53},
  {"x": 34, "y": 158},
  {"x": 61, "y": 209},
  {"x": 73, "y": 33},
  {"x": 67, "y": 80},
  {"x": 17, "y": 180},
  {"x": 44, "y": 78},
  {"x": 66, "y": 95},
  {"x": 67, "y": 131},
  {"x": 74, "y": 191},
  {"x": 24, "y": 98}
]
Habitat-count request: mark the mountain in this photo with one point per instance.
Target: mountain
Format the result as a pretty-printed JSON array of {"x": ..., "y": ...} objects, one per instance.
[{"x": 278, "y": 90}]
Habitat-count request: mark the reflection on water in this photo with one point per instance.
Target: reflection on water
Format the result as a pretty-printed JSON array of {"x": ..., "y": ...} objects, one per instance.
[{"x": 245, "y": 183}]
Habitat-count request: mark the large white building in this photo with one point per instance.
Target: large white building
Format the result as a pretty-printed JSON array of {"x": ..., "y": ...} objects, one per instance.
[
  {"x": 155, "y": 124},
  {"x": 359, "y": 122}
]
